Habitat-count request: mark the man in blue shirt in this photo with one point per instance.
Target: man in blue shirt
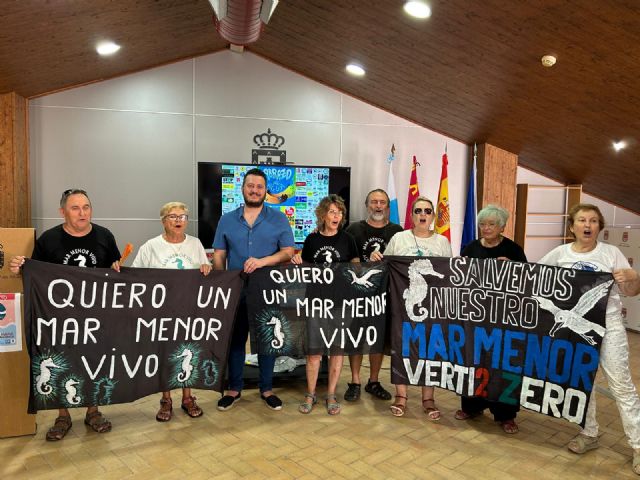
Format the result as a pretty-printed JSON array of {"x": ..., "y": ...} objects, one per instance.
[{"x": 251, "y": 237}]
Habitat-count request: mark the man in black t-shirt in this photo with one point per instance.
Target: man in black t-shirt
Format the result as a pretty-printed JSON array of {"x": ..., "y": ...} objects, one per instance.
[
  {"x": 80, "y": 243},
  {"x": 372, "y": 236}
]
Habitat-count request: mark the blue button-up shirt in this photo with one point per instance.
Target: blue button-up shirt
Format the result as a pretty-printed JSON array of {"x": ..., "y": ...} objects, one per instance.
[{"x": 269, "y": 234}]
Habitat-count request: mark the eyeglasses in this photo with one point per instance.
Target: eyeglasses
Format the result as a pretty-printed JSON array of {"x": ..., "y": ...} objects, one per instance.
[
  {"x": 71, "y": 191},
  {"x": 337, "y": 213},
  {"x": 183, "y": 218},
  {"x": 488, "y": 225},
  {"x": 420, "y": 211}
]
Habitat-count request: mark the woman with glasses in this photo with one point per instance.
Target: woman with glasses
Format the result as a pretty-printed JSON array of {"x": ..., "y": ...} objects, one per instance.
[
  {"x": 329, "y": 244},
  {"x": 174, "y": 249},
  {"x": 420, "y": 241},
  {"x": 492, "y": 244}
]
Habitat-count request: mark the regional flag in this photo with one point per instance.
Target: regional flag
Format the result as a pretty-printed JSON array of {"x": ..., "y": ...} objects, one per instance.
[
  {"x": 394, "y": 216},
  {"x": 442, "y": 209},
  {"x": 413, "y": 193}
]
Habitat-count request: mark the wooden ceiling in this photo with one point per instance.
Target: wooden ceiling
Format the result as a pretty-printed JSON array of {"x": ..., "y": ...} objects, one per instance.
[{"x": 472, "y": 71}]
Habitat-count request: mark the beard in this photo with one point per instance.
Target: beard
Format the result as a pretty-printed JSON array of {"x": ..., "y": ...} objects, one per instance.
[
  {"x": 377, "y": 217},
  {"x": 254, "y": 203}
]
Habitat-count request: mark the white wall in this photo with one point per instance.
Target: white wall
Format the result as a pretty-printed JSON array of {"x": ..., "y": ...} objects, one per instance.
[{"x": 134, "y": 142}]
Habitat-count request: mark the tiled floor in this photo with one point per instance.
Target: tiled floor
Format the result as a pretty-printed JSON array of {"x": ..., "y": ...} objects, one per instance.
[{"x": 365, "y": 441}]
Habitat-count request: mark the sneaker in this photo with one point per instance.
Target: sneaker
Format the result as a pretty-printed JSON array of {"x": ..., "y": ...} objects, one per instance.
[
  {"x": 353, "y": 392},
  {"x": 226, "y": 402},
  {"x": 272, "y": 401},
  {"x": 377, "y": 390}
]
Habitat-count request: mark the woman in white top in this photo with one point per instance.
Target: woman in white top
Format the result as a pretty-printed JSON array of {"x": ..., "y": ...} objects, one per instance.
[
  {"x": 586, "y": 253},
  {"x": 177, "y": 250},
  {"x": 420, "y": 241}
]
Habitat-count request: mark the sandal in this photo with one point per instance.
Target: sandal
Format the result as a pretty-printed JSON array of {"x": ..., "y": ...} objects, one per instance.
[
  {"x": 306, "y": 407},
  {"x": 462, "y": 415},
  {"x": 353, "y": 392},
  {"x": 582, "y": 443},
  {"x": 430, "y": 409},
  {"x": 398, "y": 409},
  {"x": 333, "y": 407},
  {"x": 191, "y": 408},
  {"x": 510, "y": 426},
  {"x": 97, "y": 422},
  {"x": 59, "y": 429},
  {"x": 166, "y": 410},
  {"x": 377, "y": 390}
]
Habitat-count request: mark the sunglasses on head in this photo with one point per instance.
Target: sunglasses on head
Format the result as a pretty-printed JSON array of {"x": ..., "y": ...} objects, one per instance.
[{"x": 420, "y": 211}]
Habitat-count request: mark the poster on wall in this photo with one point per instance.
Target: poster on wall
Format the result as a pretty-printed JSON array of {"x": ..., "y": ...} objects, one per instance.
[{"x": 10, "y": 322}]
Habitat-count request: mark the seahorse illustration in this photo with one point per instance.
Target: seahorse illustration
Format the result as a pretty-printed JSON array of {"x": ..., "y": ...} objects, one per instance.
[
  {"x": 180, "y": 263},
  {"x": 72, "y": 394},
  {"x": 278, "y": 341},
  {"x": 210, "y": 372},
  {"x": 82, "y": 260},
  {"x": 327, "y": 256},
  {"x": 103, "y": 390},
  {"x": 187, "y": 368},
  {"x": 42, "y": 385},
  {"x": 418, "y": 288},
  {"x": 376, "y": 247}
]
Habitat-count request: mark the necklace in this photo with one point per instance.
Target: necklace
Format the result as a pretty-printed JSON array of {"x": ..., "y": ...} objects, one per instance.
[
  {"x": 176, "y": 247},
  {"x": 419, "y": 252}
]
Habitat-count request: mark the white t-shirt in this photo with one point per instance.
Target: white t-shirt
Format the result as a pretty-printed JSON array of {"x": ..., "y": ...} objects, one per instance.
[
  {"x": 603, "y": 258},
  {"x": 158, "y": 253},
  {"x": 405, "y": 243}
]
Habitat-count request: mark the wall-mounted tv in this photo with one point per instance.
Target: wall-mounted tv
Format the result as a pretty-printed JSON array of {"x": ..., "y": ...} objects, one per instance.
[{"x": 294, "y": 190}]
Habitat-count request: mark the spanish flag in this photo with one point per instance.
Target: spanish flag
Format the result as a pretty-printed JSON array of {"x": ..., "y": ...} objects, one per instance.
[
  {"x": 442, "y": 209},
  {"x": 414, "y": 192}
]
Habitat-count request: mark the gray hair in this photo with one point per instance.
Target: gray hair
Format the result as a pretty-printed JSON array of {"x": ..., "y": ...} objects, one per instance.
[
  {"x": 167, "y": 207},
  {"x": 494, "y": 212}
]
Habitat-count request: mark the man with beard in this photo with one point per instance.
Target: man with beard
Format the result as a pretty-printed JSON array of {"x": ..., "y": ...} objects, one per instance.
[
  {"x": 79, "y": 243},
  {"x": 372, "y": 236},
  {"x": 251, "y": 237}
]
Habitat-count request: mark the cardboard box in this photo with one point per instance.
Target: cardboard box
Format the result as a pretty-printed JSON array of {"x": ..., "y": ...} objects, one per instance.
[{"x": 14, "y": 366}]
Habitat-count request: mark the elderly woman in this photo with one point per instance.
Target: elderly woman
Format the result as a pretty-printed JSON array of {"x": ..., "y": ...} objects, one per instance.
[
  {"x": 492, "y": 244},
  {"x": 174, "y": 249},
  {"x": 329, "y": 244},
  {"x": 420, "y": 241},
  {"x": 586, "y": 253}
]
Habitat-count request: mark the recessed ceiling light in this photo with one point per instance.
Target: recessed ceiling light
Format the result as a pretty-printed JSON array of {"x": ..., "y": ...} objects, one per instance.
[
  {"x": 548, "y": 60},
  {"x": 355, "y": 69},
  {"x": 107, "y": 48},
  {"x": 617, "y": 146},
  {"x": 417, "y": 9}
]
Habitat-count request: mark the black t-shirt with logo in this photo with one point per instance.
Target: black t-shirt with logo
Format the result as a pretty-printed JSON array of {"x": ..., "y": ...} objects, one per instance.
[
  {"x": 369, "y": 239},
  {"x": 506, "y": 248},
  {"x": 340, "y": 247},
  {"x": 96, "y": 249}
]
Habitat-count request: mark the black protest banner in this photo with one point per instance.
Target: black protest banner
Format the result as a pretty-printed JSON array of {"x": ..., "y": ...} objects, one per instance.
[
  {"x": 99, "y": 337},
  {"x": 518, "y": 333},
  {"x": 318, "y": 309}
]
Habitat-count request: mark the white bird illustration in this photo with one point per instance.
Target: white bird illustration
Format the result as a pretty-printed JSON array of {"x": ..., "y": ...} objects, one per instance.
[
  {"x": 364, "y": 279},
  {"x": 574, "y": 319}
]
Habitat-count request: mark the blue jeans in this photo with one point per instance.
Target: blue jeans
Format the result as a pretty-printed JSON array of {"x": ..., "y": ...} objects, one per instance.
[{"x": 237, "y": 355}]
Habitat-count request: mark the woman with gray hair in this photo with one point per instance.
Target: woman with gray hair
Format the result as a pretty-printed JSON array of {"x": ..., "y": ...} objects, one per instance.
[
  {"x": 492, "y": 244},
  {"x": 176, "y": 250}
]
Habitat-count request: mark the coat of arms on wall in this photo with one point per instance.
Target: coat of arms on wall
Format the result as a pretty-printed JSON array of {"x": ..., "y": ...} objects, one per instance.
[{"x": 268, "y": 151}]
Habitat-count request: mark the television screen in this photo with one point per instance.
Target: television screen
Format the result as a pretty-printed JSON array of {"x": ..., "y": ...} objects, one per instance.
[{"x": 294, "y": 190}]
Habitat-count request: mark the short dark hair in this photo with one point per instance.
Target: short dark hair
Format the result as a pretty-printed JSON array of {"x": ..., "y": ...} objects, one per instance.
[
  {"x": 254, "y": 171},
  {"x": 72, "y": 191},
  {"x": 377, "y": 190}
]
